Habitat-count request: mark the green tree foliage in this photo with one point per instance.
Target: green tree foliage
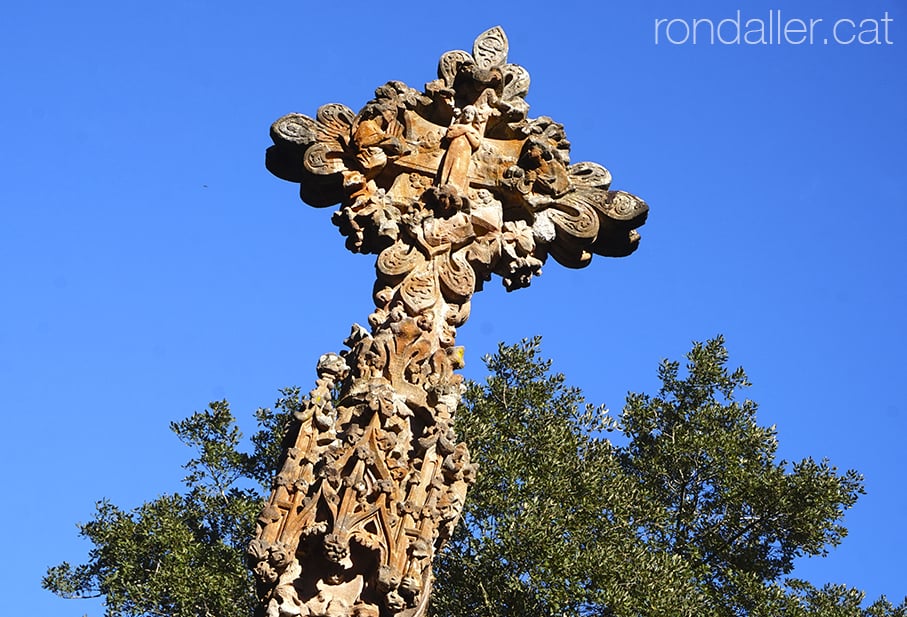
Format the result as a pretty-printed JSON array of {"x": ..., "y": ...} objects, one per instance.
[
  {"x": 550, "y": 527},
  {"x": 685, "y": 512},
  {"x": 181, "y": 555},
  {"x": 675, "y": 507},
  {"x": 721, "y": 501}
]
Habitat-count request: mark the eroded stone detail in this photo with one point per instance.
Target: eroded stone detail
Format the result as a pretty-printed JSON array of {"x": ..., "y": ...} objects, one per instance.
[{"x": 447, "y": 187}]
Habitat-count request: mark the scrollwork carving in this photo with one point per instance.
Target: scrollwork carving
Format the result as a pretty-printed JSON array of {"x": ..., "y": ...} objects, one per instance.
[
  {"x": 398, "y": 259},
  {"x": 490, "y": 48}
]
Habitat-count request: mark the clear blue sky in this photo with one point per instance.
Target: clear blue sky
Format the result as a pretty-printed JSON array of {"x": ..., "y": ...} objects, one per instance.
[{"x": 149, "y": 263}]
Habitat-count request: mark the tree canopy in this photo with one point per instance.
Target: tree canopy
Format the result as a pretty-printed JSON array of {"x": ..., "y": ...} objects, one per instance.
[{"x": 676, "y": 506}]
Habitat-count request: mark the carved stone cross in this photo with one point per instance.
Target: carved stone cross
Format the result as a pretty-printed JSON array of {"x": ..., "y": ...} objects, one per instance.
[{"x": 447, "y": 187}]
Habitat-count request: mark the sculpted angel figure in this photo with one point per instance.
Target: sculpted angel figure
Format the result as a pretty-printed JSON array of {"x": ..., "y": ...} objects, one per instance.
[
  {"x": 463, "y": 137},
  {"x": 544, "y": 173},
  {"x": 375, "y": 135}
]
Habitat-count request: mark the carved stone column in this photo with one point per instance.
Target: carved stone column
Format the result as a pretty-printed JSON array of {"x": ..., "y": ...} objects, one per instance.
[{"x": 446, "y": 187}]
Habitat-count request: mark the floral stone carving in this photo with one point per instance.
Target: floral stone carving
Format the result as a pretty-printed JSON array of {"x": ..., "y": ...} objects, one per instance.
[{"x": 447, "y": 187}]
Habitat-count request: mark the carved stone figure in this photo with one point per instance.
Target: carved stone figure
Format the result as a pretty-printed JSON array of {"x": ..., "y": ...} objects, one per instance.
[
  {"x": 446, "y": 187},
  {"x": 463, "y": 138}
]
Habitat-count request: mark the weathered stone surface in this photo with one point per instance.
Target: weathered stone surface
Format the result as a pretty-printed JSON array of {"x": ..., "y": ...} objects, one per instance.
[{"x": 447, "y": 187}]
